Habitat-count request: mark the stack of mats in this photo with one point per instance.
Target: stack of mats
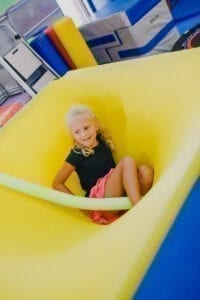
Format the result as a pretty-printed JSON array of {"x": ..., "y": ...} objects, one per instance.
[
  {"x": 128, "y": 29},
  {"x": 63, "y": 47}
]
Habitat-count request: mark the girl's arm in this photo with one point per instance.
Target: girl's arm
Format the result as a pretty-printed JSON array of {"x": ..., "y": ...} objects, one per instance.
[{"x": 61, "y": 177}]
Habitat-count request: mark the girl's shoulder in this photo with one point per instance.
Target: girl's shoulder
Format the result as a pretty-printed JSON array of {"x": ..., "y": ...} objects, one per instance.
[{"x": 75, "y": 157}]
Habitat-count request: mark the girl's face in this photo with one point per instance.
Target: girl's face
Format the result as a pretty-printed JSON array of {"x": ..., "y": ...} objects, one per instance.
[{"x": 84, "y": 130}]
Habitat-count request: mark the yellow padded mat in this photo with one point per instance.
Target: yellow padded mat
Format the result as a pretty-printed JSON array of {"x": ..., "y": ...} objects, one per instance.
[
  {"x": 74, "y": 43},
  {"x": 151, "y": 107}
]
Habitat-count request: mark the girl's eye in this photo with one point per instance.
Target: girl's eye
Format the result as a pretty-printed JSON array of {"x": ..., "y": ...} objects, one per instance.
[{"x": 86, "y": 127}]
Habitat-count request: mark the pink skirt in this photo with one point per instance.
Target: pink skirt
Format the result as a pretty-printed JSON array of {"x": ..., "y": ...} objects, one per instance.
[{"x": 98, "y": 191}]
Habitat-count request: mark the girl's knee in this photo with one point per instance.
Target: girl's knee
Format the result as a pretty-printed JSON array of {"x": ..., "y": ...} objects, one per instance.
[
  {"x": 145, "y": 176},
  {"x": 128, "y": 161},
  {"x": 125, "y": 164},
  {"x": 146, "y": 172}
]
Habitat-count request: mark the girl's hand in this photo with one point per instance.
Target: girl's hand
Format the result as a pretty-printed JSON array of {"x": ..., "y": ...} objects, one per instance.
[{"x": 61, "y": 177}]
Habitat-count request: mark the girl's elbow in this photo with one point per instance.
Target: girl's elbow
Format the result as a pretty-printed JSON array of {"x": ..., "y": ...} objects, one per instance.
[{"x": 55, "y": 185}]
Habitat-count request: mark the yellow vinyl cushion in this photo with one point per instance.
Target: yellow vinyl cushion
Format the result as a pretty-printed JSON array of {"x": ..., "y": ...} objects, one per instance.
[
  {"x": 151, "y": 107},
  {"x": 74, "y": 43}
]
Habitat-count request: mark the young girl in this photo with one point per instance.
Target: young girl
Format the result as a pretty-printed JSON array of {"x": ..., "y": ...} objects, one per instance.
[{"x": 92, "y": 159}]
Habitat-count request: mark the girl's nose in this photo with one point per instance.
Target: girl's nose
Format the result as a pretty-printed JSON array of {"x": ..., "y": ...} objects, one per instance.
[{"x": 82, "y": 133}]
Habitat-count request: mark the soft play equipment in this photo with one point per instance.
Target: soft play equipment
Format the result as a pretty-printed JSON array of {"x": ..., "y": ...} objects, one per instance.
[
  {"x": 59, "y": 46},
  {"x": 128, "y": 29},
  {"x": 42, "y": 44},
  {"x": 74, "y": 43},
  {"x": 51, "y": 251},
  {"x": 183, "y": 9},
  {"x": 186, "y": 25},
  {"x": 175, "y": 271},
  {"x": 186, "y": 14}
]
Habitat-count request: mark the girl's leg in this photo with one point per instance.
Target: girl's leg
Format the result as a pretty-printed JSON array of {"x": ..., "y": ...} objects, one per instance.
[
  {"x": 145, "y": 176},
  {"x": 124, "y": 180}
]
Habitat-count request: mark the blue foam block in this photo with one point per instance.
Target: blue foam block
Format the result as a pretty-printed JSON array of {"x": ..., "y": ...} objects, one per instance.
[
  {"x": 44, "y": 47},
  {"x": 188, "y": 24},
  {"x": 184, "y": 9},
  {"x": 175, "y": 272}
]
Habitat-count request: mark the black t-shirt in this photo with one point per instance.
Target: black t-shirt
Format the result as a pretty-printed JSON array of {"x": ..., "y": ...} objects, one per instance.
[{"x": 92, "y": 167}]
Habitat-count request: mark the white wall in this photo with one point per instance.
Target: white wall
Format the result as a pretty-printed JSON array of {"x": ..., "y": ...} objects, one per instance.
[{"x": 78, "y": 10}]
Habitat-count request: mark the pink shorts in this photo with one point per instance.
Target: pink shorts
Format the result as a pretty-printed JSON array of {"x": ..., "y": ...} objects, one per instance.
[{"x": 98, "y": 191}]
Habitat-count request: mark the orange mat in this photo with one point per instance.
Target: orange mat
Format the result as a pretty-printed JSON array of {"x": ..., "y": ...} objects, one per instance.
[{"x": 59, "y": 46}]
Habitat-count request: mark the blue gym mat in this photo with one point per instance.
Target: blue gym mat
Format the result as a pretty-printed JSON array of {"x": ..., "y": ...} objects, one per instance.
[
  {"x": 175, "y": 271},
  {"x": 187, "y": 24},
  {"x": 184, "y": 9}
]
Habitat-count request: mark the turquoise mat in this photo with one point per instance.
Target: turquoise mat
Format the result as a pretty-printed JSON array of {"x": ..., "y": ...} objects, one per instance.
[{"x": 5, "y": 4}]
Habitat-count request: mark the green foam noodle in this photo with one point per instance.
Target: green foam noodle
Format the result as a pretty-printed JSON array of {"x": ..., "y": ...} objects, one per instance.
[{"x": 56, "y": 197}]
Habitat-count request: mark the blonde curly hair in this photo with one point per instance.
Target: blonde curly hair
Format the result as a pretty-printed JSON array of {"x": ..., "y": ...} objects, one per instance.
[{"x": 78, "y": 109}]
